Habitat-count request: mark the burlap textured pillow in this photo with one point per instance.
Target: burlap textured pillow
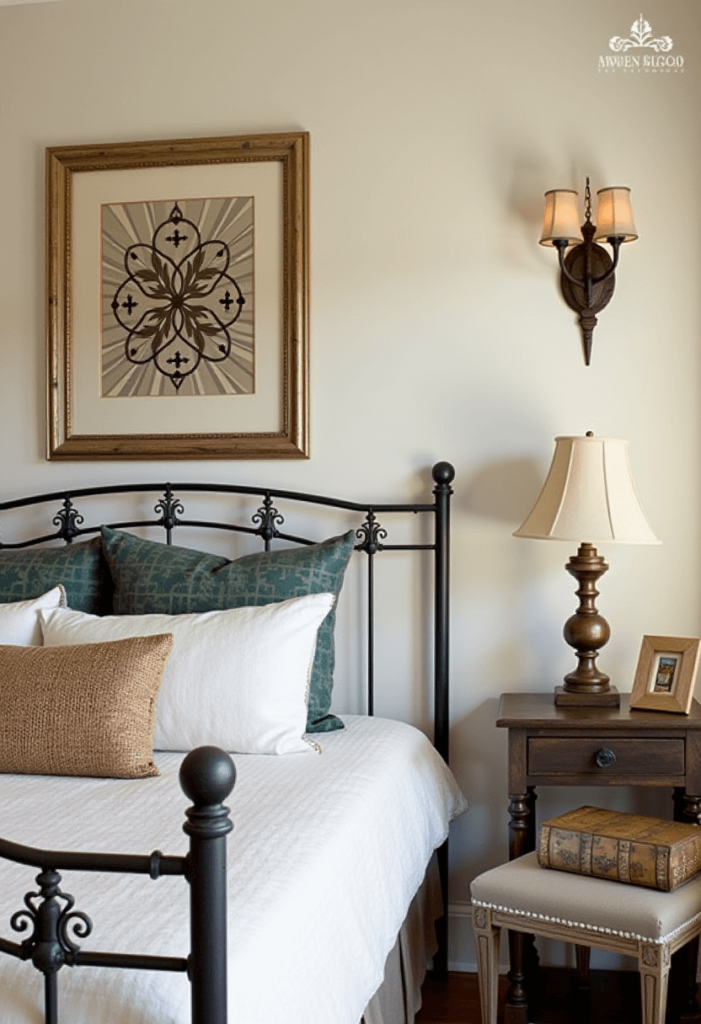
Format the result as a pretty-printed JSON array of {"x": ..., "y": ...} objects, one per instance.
[{"x": 88, "y": 709}]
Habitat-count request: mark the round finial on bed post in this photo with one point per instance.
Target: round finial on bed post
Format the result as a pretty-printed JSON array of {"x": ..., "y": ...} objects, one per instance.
[
  {"x": 443, "y": 473},
  {"x": 207, "y": 777}
]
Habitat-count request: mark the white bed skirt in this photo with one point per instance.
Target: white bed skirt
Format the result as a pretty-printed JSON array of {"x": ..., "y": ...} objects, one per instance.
[{"x": 398, "y": 999}]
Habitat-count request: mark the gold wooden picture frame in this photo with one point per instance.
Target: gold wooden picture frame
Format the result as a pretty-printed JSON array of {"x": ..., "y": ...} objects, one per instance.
[
  {"x": 666, "y": 674},
  {"x": 178, "y": 299}
]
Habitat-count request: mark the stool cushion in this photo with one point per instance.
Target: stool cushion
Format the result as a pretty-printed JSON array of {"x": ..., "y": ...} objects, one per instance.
[{"x": 524, "y": 888}]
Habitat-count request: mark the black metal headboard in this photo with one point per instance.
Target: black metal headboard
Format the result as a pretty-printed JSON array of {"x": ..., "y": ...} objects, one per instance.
[{"x": 267, "y": 522}]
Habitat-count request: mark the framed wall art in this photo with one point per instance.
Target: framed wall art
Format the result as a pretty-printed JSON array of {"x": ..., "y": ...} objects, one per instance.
[
  {"x": 178, "y": 293},
  {"x": 666, "y": 674}
]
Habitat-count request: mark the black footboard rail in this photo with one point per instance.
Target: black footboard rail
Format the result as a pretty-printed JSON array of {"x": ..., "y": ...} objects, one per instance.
[{"x": 207, "y": 777}]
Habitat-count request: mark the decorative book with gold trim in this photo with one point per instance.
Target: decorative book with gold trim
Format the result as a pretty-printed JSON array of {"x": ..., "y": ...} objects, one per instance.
[{"x": 634, "y": 848}]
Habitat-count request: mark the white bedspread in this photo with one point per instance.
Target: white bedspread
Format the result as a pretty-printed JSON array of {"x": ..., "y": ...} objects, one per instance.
[{"x": 326, "y": 854}]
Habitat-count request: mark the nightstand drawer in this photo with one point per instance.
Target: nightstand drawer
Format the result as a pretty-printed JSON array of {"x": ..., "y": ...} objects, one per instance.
[{"x": 605, "y": 755}]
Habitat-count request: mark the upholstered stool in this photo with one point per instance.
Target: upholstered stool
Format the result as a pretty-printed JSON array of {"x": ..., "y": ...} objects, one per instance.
[{"x": 643, "y": 923}]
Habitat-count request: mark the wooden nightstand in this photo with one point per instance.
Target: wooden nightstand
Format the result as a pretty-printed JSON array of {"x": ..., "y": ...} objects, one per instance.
[{"x": 592, "y": 746}]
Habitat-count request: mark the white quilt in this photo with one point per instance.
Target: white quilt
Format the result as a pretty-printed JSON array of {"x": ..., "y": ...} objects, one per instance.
[{"x": 325, "y": 857}]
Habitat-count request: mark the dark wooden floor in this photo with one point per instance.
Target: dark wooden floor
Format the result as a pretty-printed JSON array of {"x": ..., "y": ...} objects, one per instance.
[
  {"x": 613, "y": 998},
  {"x": 455, "y": 1001}
]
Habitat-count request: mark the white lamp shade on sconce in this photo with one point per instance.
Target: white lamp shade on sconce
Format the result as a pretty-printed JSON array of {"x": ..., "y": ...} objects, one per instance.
[
  {"x": 589, "y": 496},
  {"x": 561, "y": 218},
  {"x": 614, "y": 215}
]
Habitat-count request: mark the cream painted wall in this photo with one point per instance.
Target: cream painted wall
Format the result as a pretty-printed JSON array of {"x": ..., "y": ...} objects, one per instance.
[{"x": 437, "y": 329}]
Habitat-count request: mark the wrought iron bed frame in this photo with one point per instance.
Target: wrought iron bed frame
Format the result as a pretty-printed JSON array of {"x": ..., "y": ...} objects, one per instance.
[{"x": 208, "y": 774}]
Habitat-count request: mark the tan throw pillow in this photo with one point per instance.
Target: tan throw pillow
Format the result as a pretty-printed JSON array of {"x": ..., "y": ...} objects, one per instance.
[{"x": 88, "y": 709}]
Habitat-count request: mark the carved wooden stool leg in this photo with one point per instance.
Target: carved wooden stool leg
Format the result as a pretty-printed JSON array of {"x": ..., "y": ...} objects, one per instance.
[
  {"x": 653, "y": 964},
  {"x": 487, "y": 941}
]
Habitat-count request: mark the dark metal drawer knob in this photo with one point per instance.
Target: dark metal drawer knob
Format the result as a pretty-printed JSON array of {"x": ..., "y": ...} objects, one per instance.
[{"x": 605, "y": 758}]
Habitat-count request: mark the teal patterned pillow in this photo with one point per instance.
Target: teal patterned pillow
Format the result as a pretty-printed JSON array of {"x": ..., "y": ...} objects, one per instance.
[
  {"x": 29, "y": 572},
  {"x": 151, "y": 577}
]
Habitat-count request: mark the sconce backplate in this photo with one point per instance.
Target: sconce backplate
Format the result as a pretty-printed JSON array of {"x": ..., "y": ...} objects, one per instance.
[{"x": 575, "y": 295}]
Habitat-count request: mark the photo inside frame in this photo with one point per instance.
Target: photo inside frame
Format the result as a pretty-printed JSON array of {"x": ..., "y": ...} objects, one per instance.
[{"x": 664, "y": 673}]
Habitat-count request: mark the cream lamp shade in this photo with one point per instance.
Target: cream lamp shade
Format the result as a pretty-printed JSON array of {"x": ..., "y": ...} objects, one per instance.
[
  {"x": 589, "y": 495},
  {"x": 614, "y": 215},
  {"x": 561, "y": 218}
]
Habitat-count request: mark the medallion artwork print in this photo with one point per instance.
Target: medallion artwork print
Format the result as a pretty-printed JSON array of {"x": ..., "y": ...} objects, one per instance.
[{"x": 177, "y": 298}]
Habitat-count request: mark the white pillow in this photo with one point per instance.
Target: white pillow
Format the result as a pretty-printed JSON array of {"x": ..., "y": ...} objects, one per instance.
[
  {"x": 237, "y": 679},
  {"x": 19, "y": 620}
]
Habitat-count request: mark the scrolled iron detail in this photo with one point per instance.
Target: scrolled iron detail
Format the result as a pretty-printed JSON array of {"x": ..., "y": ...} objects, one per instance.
[
  {"x": 50, "y": 945},
  {"x": 170, "y": 509},
  {"x": 371, "y": 535},
  {"x": 268, "y": 519},
  {"x": 77, "y": 922},
  {"x": 68, "y": 519}
]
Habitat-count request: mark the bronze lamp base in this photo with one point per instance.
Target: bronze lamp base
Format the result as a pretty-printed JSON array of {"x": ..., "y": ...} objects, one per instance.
[{"x": 587, "y": 631}]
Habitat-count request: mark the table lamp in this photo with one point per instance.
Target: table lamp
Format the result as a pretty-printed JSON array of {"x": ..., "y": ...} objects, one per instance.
[{"x": 588, "y": 497}]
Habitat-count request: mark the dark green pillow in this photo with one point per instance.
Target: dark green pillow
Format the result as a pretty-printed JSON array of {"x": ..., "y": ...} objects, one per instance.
[
  {"x": 29, "y": 572},
  {"x": 151, "y": 577}
]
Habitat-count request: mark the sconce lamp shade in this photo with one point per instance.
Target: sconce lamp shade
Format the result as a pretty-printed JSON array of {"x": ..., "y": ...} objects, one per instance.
[
  {"x": 589, "y": 495},
  {"x": 614, "y": 215},
  {"x": 561, "y": 218}
]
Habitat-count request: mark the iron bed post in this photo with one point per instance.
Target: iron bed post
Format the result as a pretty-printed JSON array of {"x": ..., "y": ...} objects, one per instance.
[
  {"x": 443, "y": 475},
  {"x": 207, "y": 776},
  {"x": 371, "y": 632}
]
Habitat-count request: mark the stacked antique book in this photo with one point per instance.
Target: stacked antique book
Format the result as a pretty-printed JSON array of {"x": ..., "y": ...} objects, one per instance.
[{"x": 653, "y": 852}]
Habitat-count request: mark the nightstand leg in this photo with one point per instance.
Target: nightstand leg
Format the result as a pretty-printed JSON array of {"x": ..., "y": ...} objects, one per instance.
[
  {"x": 532, "y": 796},
  {"x": 687, "y": 807},
  {"x": 522, "y": 839},
  {"x": 583, "y": 958},
  {"x": 521, "y": 827},
  {"x": 521, "y": 947},
  {"x": 530, "y": 951},
  {"x": 516, "y": 1005}
]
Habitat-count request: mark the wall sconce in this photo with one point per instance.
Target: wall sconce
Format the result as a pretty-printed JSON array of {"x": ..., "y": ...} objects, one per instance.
[{"x": 587, "y": 277}]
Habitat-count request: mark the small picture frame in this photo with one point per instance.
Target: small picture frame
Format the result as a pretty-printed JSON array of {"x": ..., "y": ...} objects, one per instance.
[{"x": 666, "y": 674}]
